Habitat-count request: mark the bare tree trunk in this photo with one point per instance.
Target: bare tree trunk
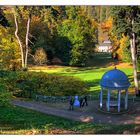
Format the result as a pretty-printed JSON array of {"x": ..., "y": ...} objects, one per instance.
[
  {"x": 19, "y": 41},
  {"x": 27, "y": 41},
  {"x": 133, "y": 54}
]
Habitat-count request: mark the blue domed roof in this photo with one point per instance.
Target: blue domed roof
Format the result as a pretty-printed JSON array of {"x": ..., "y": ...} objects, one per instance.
[{"x": 115, "y": 79}]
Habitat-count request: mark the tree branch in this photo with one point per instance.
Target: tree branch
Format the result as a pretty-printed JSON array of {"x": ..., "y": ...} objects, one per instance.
[{"x": 30, "y": 41}]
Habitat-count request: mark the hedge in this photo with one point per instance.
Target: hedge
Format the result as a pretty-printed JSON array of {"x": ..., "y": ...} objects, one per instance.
[{"x": 28, "y": 84}]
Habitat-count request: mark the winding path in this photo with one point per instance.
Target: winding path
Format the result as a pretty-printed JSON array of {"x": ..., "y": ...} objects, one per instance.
[{"x": 86, "y": 114}]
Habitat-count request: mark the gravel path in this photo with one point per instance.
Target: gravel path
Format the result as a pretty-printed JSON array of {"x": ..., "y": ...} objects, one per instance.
[{"x": 86, "y": 114}]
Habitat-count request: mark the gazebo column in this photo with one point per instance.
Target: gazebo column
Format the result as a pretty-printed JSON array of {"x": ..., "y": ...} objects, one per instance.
[
  {"x": 101, "y": 98},
  {"x": 108, "y": 100},
  {"x": 119, "y": 100},
  {"x": 126, "y": 99}
]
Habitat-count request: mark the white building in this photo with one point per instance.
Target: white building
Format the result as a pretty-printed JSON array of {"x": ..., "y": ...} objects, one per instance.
[{"x": 105, "y": 46}]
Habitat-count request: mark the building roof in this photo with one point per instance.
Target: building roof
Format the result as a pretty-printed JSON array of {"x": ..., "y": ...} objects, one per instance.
[
  {"x": 105, "y": 43},
  {"x": 115, "y": 79}
]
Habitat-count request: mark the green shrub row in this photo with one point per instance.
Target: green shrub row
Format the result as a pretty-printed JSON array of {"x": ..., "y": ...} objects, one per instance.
[{"x": 28, "y": 84}]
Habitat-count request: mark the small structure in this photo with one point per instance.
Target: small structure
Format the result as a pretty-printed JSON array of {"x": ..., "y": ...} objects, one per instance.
[
  {"x": 105, "y": 46},
  {"x": 114, "y": 80}
]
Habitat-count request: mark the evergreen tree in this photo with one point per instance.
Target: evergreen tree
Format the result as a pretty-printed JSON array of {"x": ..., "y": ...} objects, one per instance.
[{"x": 126, "y": 19}]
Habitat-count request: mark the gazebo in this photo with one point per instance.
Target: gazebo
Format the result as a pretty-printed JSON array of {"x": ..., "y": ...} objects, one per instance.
[{"x": 114, "y": 80}]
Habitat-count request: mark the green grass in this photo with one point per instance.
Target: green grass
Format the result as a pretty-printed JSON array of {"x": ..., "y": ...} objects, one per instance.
[
  {"x": 91, "y": 75},
  {"x": 17, "y": 120},
  {"x": 97, "y": 66}
]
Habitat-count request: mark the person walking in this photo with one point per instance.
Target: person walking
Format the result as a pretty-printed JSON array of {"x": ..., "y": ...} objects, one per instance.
[
  {"x": 81, "y": 102},
  {"x": 71, "y": 104},
  {"x": 85, "y": 101}
]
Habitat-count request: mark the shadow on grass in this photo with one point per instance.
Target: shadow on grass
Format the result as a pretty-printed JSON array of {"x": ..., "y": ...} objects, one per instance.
[
  {"x": 17, "y": 118},
  {"x": 131, "y": 79}
]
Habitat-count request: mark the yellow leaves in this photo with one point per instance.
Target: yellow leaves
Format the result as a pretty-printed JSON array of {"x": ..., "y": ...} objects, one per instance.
[
  {"x": 35, "y": 18},
  {"x": 94, "y": 23},
  {"x": 3, "y": 32},
  {"x": 66, "y": 21},
  {"x": 122, "y": 42},
  {"x": 114, "y": 40},
  {"x": 107, "y": 24},
  {"x": 8, "y": 9},
  {"x": 57, "y": 8},
  {"x": 120, "y": 45}
]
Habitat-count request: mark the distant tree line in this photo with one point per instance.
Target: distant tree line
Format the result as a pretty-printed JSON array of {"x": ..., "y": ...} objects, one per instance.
[{"x": 62, "y": 32}]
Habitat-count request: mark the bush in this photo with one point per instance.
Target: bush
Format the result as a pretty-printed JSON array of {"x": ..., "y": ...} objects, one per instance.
[
  {"x": 5, "y": 95},
  {"x": 40, "y": 56},
  {"x": 27, "y": 84}
]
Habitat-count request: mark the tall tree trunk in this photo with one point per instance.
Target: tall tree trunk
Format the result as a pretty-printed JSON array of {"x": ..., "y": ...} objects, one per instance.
[
  {"x": 27, "y": 41},
  {"x": 133, "y": 54},
  {"x": 19, "y": 41}
]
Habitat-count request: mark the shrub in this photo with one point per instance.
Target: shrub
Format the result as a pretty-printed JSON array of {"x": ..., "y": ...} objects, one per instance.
[
  {"x": 27, "y": 84},
  {"x": 40, "y": 56},
  {"x": 5, "y": 95}
]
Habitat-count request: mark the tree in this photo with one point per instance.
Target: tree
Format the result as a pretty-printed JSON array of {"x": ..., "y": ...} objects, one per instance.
[
  {"x": 9, "y": 50},
  {"x": 40, "y": 56},
  {"x": 20, "y": 17},
  {"x": 80, "y": 32},
  {"x": 24, "y": 48},
  {"x": 126, "y": 19}
]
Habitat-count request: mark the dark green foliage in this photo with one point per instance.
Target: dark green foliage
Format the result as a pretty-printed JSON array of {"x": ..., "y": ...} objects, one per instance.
[
  {"x": 62, "y": 49},
  {"x": 103, "y": 13},
  {"x": 26, "y": 84},
  {"x": 80, "y": 33},
  {"x": 126, "y": 52},
  {"x": 5, "y": 95},
  {"x": 138, "y": 51},
  {"x": 122, "y": 23},
  {"x": 138, "y": 63},
  {"x": 3, "y": 20}
]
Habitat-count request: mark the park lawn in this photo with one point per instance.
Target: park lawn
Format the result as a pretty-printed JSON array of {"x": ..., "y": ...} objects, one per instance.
[
  {"x": 86, "y": 74},
  {"x": 17, "y": 120},
  {"x": 91, "y": 75}
]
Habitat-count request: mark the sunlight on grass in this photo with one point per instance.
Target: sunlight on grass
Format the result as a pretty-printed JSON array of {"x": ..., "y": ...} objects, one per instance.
[
  {"x": 91, "y": 75},
  {"x": 18, "y": 120}
]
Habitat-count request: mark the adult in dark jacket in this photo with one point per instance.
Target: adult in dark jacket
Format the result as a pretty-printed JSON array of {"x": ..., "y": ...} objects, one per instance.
[
  {"x": 81, "y": 102},
  {"x": 85, "y": 101},
  {"x": 71, "y": 104}
]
